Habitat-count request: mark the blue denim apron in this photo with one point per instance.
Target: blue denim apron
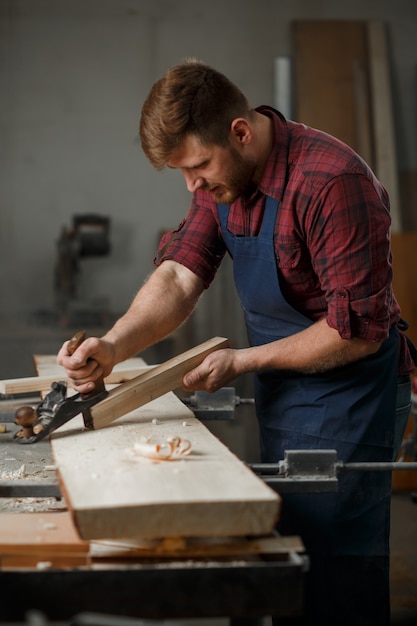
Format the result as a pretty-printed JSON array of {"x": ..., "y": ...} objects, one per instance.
[{"x": 350, "y": 409}]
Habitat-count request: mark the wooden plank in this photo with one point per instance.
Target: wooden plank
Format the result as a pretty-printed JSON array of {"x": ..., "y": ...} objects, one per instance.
[
  {"x": 329, "y": 57},
  {"x": 152, "y": 383},
  {"x": 192, "y": 548},
  {"x": 404, "y": 252},
  {"x": 114, "y": 493},
  {"x": 40, "y": 539},
  {"x": 121, "y": 373},
  {"x": 408, "y": 197},
  {"x": 383, "y": 118},
  {"x": 404, "y": 259},
  {"x": 48, "y": 539}
]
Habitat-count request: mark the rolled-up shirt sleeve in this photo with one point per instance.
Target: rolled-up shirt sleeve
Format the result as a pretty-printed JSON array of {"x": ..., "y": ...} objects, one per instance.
[
  {"x": 196, "y": 243},
  {"x": 350, "y": 251}
]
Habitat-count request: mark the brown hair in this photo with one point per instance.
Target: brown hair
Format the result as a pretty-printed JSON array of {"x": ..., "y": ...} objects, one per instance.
[{"x": 192, "y": 98}]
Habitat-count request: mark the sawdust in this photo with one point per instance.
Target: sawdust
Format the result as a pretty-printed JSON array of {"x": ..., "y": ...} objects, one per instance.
[
  {"x": 31, "y": 505},
  {"x": 13, "y": 474},
  {"x": 28, "y": 504}
]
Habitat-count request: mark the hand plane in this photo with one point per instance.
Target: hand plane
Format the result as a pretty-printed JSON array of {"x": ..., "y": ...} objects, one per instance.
[
  {"x": 100, "y": 407},
  {"x": 57, "y": 408}
]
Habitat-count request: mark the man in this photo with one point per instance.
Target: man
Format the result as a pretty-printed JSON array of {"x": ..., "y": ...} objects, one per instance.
[{"x": 307, "y": 225}]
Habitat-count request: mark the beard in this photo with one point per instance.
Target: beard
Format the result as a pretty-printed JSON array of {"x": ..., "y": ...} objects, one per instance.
[{"x": 238, "y": 180}]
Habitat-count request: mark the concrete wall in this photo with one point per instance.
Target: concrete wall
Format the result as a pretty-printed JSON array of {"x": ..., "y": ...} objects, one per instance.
[{"x": 73, "y": 76}]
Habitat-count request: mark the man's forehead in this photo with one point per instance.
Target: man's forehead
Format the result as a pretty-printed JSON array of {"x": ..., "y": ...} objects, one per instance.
[{"x": 190, "y": 153}]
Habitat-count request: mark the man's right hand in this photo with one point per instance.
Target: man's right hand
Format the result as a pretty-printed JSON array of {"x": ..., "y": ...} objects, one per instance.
[{"x": 93, "y": 359}]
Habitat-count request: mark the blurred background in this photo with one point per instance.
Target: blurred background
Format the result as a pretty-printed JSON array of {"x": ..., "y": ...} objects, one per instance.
[{"x": 81, "y": 209}]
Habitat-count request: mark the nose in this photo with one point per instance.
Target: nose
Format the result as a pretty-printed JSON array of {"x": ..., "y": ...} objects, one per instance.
[{"x": 192, "y": 180}]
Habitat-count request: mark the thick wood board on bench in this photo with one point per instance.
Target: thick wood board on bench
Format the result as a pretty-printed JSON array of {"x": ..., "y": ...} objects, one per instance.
[{"x": 114, "y": 493}]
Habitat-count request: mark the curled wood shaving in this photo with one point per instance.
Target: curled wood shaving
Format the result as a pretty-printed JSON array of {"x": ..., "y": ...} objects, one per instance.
[{"x": 168, "y": 450}]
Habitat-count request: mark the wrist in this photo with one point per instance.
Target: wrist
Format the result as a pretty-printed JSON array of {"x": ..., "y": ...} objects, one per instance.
[
  {"x": 112, "y": 349},
  {"x": 247, "y": 360}
]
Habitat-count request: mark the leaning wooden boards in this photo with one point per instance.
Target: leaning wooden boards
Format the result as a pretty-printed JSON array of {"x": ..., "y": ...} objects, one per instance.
[{"x": 114, "y": 493}]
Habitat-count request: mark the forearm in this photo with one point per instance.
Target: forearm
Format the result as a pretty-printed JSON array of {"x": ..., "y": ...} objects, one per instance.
[
  {"x": 163, "y": 303},
  {"x": 318, "y": 348}
]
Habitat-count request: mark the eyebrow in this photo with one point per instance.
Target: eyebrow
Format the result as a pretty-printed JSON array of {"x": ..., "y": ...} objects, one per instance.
[{"x": 196, "y": 166}]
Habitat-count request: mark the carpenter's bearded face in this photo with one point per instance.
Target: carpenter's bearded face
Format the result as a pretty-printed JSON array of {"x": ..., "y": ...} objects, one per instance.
[{"x": 222, "y": 171}]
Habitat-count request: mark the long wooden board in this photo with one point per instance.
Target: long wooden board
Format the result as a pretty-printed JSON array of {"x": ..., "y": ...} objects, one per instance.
[
  {"x": 130, "y": 369},
  {"x": 404, "y": 260},
  {"x": 330, "y": 57},
  {"x": 50, "y": 540},
  {"x": 191, "y": 548},
  {"x": 114, "y": 493},
  {"x": 404, "y": 252},
  {"x": 386, "y": 167},
  {"x": 152, "y": 384}
]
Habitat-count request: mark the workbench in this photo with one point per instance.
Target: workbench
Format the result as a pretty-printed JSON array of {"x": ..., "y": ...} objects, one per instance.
[
  {"x": 239, "y": 586},
  {"x": 160, "y": 591}
]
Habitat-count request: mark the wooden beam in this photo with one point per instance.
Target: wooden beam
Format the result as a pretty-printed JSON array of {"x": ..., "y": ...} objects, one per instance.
[
  {"x": 50, "y": 539},
  {"x": 404, "y": 262},
  {"x": 383, "y": 118},
  {"x": 145, "y": 382},
  {"x": 121, "y": 373},
  {"x": 152, "y": 383},
  {"x": 330, "y": 57},
  {"x": 115, "y": 493},
  {"x": 192, "y": 548},
  {"x": 404, "y": 254}
]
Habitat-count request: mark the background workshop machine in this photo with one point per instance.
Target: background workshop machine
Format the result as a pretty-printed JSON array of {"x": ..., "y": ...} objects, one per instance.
[{"x": 87, "y": 237}]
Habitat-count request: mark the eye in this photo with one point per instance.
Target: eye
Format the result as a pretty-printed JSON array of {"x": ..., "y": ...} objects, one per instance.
[{"x": 200, "y": 166}]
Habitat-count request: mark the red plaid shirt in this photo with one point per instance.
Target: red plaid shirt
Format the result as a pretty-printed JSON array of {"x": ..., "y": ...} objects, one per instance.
[{"x": 331, "y": 235}]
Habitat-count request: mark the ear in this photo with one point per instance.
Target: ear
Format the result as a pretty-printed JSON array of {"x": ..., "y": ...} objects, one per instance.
[{"x": 241, "y": 130}]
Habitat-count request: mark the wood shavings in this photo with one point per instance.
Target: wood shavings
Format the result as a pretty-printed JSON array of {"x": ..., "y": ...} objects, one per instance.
[
  {"x": 168, "y": 450},
  {"x": 43, "y": 565}
]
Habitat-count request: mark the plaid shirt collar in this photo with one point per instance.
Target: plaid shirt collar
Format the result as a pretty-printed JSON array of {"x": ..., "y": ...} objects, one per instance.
[{"x": 275, "y": 174}]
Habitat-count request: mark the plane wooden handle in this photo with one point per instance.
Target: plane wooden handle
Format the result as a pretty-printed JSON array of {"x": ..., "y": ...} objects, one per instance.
[{"x": 75, "y": 342}]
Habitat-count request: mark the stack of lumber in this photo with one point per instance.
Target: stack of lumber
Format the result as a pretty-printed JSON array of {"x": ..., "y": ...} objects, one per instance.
[{"x": 49, "y": 540}]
